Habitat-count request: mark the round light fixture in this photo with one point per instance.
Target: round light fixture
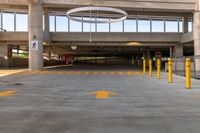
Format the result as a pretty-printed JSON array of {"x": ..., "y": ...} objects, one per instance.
[
  {"x": 73, "y": 47},
  {"x": 96, "y": 8}
]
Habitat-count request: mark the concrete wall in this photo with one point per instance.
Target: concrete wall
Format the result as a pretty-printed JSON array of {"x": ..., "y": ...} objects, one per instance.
[
  {"x": 23, "y": 63},
  {"x": 14, "y": 63}
]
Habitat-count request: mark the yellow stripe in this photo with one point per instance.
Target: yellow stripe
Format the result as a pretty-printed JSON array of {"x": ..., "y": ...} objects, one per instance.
[
  {"x": 103, "y": 73},
  {"x": 112, "y": 73},
  {"x": 34, "y": 72},
  {"x": 40, "y": 72},
  {"x": 86, "y": 73},
  {"x": 95, "y": 73},
  {"x": 44, "y": 72},
  {"x": 129, "y": 73},
  {"x": 77, "y": 72},
  {"x": 68, "y": 72},
  {"x": 120, "y": 73},
  {"x": 138, "y": 73},
  {"x": 60, "y": 72},
  {"x": 48, "y": 72},
  {"x": 52, "y": 72},
  {"x": 24, "y": 73}
]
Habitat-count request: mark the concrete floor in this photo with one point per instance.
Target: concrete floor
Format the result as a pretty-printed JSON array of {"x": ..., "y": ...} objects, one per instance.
[{"x": 60, "y": 103}]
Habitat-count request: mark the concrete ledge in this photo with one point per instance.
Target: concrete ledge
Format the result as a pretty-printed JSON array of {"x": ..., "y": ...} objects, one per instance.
[
  {"x": 187, "y": 37},
  {"x": 14, "y": 36},
  {"x": 116, "y": 37}
]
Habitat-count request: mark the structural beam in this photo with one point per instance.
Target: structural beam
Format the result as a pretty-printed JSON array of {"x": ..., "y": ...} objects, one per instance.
[
  {"x": 150, "y": 5},
  {"x": 132, "y": 38}
]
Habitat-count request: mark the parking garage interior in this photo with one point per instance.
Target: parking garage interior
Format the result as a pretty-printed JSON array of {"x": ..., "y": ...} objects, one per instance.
[{"x": 85, "y": 72}]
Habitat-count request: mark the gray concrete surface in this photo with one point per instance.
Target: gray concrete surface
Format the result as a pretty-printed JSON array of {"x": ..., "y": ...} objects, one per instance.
[
  {"x": 61, "y": 104},
  {"x": 174, "y": 5}
]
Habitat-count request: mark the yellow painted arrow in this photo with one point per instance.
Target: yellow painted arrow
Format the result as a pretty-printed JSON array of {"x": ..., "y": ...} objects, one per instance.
[
  {"x": 102, "y": 94},
  {"x": 7, "y": 93}
]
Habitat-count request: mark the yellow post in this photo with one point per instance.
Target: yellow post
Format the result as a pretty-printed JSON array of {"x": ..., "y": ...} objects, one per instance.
[
  {"x": 188, "y": 73},
  {"x": 144, "y": 66},
  {"x": 158, "y": 68},
  {"x": 170, "y": 78},
  {"x": 150, "y": 67}
]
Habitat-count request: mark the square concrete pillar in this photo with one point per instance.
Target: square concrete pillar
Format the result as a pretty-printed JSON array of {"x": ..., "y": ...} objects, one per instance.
[
  {"x": 35, "y": 36},
  {"x": 148, "y": 56},
  {"x": 4, "y": 59},
  {"x": 196, "y": 32},
  {"x": 171, "y": 50},
  {"x": 178, "y": 51},
  {"x": 185, "y": 24}
]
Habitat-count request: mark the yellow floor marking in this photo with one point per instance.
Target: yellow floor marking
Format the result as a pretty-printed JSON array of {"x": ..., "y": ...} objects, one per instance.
[
  {"x": 95, "y": 73},
  {"x": 138, "y": 73},
  {"x": 48, "y": 72},
  {"x": 69, "y": 72},
  {"x": 34, "y": 72},
  {"x": 7, "y": 93},
  {"x": 102, "y": 94},
  {"x": 43, "y": 72},
  {"x": 52, "y": 72},
  {"x": 11, "y": 72},
  {"x": 86, "y": 73},
  {"x": 120, "y": 73},
  {"x": 103, "y": 73},
  {"x": 77, "y": 72},
  {"x": 60, "y": 72},
  {"x": 112, "y": 73},
  {"x": 66, "y": 72},
  {"x": 24, "y": 73},
  {"x": 129, "y": 73},
  {"x": 40, "y": 72}
]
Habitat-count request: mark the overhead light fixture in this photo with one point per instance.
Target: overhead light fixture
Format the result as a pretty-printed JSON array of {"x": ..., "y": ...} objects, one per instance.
[
  {"x": 73, "y": 47},
  {"x": 96, "y": 10},
  {"x": 134, "y": 44}
]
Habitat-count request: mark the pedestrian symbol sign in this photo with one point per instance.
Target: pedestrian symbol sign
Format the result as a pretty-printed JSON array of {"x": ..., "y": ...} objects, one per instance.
[{"x": 34, "y": 45}]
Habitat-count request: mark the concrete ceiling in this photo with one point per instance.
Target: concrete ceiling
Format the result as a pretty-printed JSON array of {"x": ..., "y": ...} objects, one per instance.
[{"x": 130, "y": 5}]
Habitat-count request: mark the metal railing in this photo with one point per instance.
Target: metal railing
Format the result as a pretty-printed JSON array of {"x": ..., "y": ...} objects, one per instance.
[
  {"x": 2, "y": 30},
  {"x": 197, "y": 66},
  {"x": 179, "y": 66}
]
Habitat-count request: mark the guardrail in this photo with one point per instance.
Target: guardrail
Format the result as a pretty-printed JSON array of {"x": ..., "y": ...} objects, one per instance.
[
  {"x": 2, "y": 30},
  {"x": 178, "y": 66}
]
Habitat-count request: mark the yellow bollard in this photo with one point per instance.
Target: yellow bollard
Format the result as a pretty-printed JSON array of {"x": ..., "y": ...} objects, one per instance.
[
  {"x": 150, "y": 67},
  {"x": 170, "y": 78},
  {"x": 158, "y": 68},
  {"x": 188, "y": 74},
  {"x": 144, "y": 66}
]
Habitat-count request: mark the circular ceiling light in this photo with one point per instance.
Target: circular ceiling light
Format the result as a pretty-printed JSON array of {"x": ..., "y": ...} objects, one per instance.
[
  {"x": 73, "y": 47},
  {"x": 95, "y": 8}
]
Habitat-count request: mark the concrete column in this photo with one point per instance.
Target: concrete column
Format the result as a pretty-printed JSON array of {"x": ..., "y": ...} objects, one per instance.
[
  {"x": 185, "y": 24},
  {"x": 148, "y": 56},
  {"x": 196, "y": 32},
  {"x": 46, "y": 21},
  {"x": 171, "y": 52},
  {"x": 35, "y": 34},
  {"x": 178, "y": 51},
  {"x": 4, "y": 61}
]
